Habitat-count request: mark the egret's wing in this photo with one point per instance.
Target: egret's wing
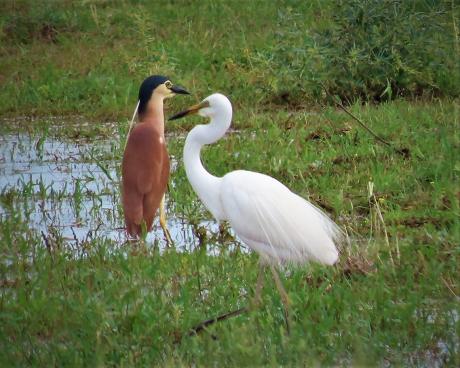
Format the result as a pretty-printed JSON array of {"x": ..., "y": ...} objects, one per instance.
[{"x": 276, "y": 222}]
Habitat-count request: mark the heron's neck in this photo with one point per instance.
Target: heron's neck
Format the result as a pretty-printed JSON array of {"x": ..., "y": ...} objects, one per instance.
[
  {"x": 207, "y": 186},
  {"x": 154, "y": 114}
]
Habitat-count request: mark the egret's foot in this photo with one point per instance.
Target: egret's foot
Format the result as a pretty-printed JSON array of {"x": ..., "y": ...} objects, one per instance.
[
  {"x": 284, "y": 298},
  {"x": 257, "y": 299}
]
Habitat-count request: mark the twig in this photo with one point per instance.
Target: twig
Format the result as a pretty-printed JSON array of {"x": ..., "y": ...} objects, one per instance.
[
  {"x": 89, "y": 234},
  {"x": 447, "y": 285},
  {"x": 48, "y": 246},
  {"x": 201, "y": 326},
  {"x": 382, "y": 221},
  {"x": 403, "y": 152},
  {"x": 288, "y": 120},
  {"x": 75, "y": 237},
  {"x": 47, "y": 243}
]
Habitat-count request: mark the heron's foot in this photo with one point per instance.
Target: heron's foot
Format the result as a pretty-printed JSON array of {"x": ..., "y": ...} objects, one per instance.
[
  {"x": 164, "y": 225},
  {"x": 167, "y": 235},
  {"x": 138, "y": 246}
]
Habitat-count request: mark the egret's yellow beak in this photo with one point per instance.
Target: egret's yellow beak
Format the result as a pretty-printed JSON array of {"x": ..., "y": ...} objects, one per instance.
[{"x": 190, "y": 111}]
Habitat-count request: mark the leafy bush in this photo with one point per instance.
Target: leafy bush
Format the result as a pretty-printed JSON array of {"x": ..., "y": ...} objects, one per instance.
[
  {"x": 24, "y": 22},
  {"x": 56, "y": 56},
  {"x": 371, "y": 50}
]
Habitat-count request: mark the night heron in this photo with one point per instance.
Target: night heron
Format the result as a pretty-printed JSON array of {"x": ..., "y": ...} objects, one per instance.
[{"x": 145, "y": 166}]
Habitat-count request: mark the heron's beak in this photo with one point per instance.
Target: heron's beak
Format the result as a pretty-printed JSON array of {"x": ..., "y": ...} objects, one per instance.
[
  {"x": 179, "y": 90},
  {"x": 190, "y": 111}
]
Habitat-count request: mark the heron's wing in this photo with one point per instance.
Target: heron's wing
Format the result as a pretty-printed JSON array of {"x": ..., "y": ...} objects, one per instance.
[{"x": 276, "y": 222}]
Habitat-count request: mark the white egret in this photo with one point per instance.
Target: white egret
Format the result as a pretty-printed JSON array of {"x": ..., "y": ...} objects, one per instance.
[{"x": 279, "y": 225}]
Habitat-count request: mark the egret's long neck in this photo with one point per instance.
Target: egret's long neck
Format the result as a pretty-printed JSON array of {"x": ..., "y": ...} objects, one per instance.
[{"x": 207, "y": 186}]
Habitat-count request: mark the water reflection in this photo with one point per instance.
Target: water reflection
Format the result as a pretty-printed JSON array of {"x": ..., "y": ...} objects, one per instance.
[{"x": 72, "y": 187}]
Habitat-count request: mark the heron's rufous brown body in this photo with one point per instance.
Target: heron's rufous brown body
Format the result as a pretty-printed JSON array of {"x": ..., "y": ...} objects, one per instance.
[{"x": 145, "y": 169}]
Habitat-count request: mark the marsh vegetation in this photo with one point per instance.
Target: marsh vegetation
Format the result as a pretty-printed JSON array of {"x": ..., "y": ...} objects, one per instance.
[{"x": 73, "y": 292}]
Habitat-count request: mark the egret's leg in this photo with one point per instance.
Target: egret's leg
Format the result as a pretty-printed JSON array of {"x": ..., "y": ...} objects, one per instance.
[
  {"x": 283, "y": 294},
  {"x": 259, "y": 285},
  {"x": 163, "y": 222}
]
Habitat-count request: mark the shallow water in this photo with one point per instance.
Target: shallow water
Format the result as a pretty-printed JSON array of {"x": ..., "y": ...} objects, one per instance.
[{"x": 72, "y": 187}]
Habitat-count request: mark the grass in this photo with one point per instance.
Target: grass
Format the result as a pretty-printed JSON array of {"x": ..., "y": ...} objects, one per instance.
[
  {"x": 88, "y": 58},
  {"x": 94, "y": 301},
  {"x": 386, "y": 302}
]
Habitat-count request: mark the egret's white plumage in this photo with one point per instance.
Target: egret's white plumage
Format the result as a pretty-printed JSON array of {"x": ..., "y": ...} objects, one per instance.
[{"x": 275, "y": 222}]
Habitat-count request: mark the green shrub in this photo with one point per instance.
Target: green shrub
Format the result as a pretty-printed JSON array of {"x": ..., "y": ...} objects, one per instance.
[
  {"x": 27, "y": 21},
  {"x": 88, "y": 57},
  {"x": 370, "y": 50}
]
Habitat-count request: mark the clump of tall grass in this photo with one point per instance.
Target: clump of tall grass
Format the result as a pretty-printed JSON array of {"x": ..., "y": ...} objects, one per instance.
[
  {"x": 24, "y": 22},
  {"x": 369, "y": 50},
  {"x": 88, "y": 57}
]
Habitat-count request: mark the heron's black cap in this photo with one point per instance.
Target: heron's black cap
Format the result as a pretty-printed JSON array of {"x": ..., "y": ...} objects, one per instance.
[
  {"x": 146, "y": 89},
  {"x": 149, "y": 85}
]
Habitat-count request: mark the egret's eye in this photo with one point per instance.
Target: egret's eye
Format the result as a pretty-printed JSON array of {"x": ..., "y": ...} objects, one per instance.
[{"x": 168, "y": 84}]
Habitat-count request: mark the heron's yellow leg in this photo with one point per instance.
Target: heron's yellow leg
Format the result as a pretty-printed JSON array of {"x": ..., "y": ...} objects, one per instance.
[
  {"x": 163, "y": 224},
  {"x": 283, "y": 294}
]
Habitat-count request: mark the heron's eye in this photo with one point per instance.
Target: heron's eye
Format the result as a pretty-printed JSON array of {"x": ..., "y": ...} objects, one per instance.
[{"x": 168, "y": 84}]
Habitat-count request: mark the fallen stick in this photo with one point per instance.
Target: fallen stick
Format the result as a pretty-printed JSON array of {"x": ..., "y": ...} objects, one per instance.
[
  {"x": 404, "y": 152},
  {"x": 201, "y": 326}
]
